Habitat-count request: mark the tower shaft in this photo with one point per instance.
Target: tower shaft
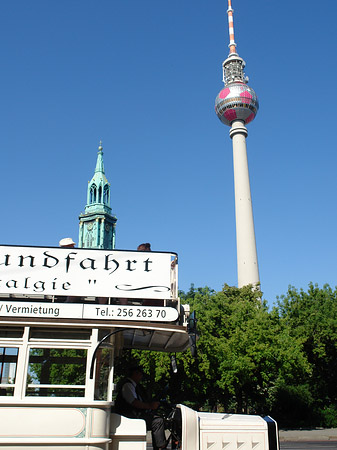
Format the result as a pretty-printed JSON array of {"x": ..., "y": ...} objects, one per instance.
[{"x": 247, "y": 264}]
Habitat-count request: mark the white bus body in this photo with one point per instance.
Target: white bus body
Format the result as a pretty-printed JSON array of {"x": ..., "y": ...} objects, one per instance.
[{"x": 56, "y": 307}]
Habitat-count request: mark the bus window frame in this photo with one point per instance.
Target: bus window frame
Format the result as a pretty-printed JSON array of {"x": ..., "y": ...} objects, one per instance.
[
  {"x": 78, "y": 387},
  {"x": 10, "y": 385},
  {"x": 24, "y": 346},
  {"x": 59, "y": 344}
]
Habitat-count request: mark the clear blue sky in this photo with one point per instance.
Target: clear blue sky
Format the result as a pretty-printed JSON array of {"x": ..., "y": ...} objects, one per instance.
[{"x": 142, "y": 76}]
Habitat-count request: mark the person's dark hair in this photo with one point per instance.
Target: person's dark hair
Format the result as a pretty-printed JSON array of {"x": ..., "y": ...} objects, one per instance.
[
  {"x": 146, "y": 247},
  {"x": 134, "y": 369}
]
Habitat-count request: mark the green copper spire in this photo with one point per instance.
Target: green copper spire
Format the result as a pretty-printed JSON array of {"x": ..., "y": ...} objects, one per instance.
[
  {"x": 99, "y": 187},
  {"x": 100, "y": 163},
  {"x": 97, "y": 224}
]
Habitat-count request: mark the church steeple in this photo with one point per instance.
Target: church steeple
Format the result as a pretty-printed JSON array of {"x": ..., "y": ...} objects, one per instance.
[
  {"x": 99, "y": 187},
  {"x": 97, "y": 224}
]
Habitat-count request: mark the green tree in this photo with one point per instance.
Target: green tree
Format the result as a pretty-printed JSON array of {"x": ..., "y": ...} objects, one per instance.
[
  {"x": 246, "y": 355},
  {"x": 312, "y": 318}
]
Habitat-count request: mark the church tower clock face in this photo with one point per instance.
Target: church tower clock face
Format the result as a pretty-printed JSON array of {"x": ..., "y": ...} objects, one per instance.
[{"x": 89, "y": 226}]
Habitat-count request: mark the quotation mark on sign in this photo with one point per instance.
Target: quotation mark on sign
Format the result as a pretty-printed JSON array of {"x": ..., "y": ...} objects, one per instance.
[{"x": 93, "y": 281}]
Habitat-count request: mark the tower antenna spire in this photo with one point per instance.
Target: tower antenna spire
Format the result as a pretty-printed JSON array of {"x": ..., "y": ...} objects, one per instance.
[{"x": 232, "y": 44}]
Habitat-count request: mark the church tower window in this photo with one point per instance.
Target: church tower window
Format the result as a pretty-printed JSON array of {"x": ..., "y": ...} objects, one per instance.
[
  {"x": 93, "y": 193},
  {"x": 106, "y": 195}
]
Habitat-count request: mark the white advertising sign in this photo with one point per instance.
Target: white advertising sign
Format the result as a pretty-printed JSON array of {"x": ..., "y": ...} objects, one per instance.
[
  {"x": 95, "y": 312},
  {"x": 84, "y": 272}
]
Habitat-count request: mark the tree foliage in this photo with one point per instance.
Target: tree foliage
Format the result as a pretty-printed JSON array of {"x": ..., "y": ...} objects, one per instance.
[
  {"x": 312, "y": 317},
  {"x": 252, "y": 359},
  {"x": 248, "y": 354}
]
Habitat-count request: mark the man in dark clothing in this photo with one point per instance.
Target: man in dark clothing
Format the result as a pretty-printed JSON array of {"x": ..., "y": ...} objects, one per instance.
[{"x": 131, "y": 402}]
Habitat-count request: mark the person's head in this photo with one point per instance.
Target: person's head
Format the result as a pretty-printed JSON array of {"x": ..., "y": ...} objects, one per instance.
[
  {"x": 135, "y": 373},
  {"x": 146, "y": 247},
  {"x": 67, "y": 243}
]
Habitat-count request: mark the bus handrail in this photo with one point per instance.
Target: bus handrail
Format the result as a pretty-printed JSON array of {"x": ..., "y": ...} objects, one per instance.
[{"x": 99, "y": 344}]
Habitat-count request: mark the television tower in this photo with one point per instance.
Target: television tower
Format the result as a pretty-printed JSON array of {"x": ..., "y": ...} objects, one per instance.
[{"x": 236, "y": 105}]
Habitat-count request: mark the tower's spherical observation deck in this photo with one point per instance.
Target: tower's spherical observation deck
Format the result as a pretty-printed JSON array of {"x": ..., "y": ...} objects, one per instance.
[{"x": 236, "y": 101}]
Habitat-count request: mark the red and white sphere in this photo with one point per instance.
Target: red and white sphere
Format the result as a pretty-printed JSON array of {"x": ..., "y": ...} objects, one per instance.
[{"x": 237, "y": 101}]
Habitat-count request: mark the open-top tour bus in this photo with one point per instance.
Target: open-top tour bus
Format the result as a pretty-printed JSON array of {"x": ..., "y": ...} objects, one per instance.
[{"x": 64, "y": 316}]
